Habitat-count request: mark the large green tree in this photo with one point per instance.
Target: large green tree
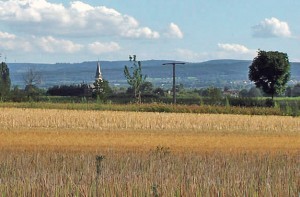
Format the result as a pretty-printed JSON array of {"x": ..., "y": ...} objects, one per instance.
[
  {"x": 134, "y": 77},
  {"x": 270, "y": 70},
  {"x": 5, "y": 80}
]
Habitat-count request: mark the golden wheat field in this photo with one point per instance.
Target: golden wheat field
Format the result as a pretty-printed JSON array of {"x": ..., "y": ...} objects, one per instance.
[
  {"x": 31, "y": 128},
  {"x": 59, "y": 153}
]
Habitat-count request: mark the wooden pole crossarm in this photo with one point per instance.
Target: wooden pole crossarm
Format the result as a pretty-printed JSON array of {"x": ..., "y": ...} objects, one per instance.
[{"x": 174, "y": 86}]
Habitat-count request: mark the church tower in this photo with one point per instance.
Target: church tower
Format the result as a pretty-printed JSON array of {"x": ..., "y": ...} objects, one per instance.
[{"x": 98, "y": 72}]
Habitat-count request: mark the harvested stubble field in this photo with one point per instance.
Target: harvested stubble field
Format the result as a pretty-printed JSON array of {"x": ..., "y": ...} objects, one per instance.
[{"x": 53, "y": 152}]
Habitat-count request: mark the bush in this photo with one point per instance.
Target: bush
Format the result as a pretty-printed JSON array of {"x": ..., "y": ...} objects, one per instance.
[
  {"x": 247, "y": 102},
  {"x": 270, "y": 103},
  {"x": 18, "y": 95},
  {"x": 81, "y": 90}
]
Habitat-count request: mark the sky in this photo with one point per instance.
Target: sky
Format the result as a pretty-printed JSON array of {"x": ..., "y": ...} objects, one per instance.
[{"x": 59, "y": 31}]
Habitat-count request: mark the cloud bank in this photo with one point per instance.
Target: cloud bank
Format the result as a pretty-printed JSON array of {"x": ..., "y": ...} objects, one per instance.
[
  {"x": 42, "y": 27},
  {"x": 272, "y": 27},
  {"x": 78, "y": 19}
]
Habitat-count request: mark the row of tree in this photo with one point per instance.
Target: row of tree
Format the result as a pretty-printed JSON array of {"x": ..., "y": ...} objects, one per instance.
[
  {"x": 270, "y": 71},
  {"x": 31, "y": 80}
]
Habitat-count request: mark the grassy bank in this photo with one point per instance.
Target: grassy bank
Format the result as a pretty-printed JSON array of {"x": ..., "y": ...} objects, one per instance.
[{"x": 153, "y": 107}]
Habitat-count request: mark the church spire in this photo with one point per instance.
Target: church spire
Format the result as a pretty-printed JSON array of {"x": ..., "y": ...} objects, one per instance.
[{"x": 98, "y": 72}]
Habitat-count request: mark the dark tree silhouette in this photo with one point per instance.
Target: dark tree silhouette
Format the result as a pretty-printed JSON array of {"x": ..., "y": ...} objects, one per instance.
[{"x": 270, "y": 71}]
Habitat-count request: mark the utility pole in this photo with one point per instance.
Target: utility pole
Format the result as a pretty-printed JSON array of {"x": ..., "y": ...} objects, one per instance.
[{"x": 174, "y": 85}]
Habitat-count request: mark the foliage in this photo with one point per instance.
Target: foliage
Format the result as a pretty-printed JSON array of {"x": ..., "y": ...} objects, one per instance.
[
  {"x": 293, "y": 91},
  {"x": 159, "y": 92},
  {"x": 179, "y": 87},
  {"x": 32, "y": 92},
  {"x": 252, "y": 92},
  {"x": 243, "y": 93},
  {"x": 146, "y": 88},
  {"x": 153, "y": 107},
  {"x": 134, "y": 77},
  {"x": 101, "y": 89},
  {"x": 32, "y": 79},
  {"x": 247, "y": 102},
  {"x": 270, "y": 103},
  {"x": 17, "y": 95},
  {"x": 288, "y": 91},
  {"x": 4, "y": 80},
  {"x": 214, "y": 94},
  {"x": 80, "y": 90},
  {"x": 270, "y": 71}
]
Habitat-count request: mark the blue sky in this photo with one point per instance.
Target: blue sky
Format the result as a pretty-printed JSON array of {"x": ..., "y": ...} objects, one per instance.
[{"x": 50, "y": 31}]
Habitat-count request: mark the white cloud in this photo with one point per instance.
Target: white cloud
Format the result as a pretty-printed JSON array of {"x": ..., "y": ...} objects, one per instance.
[
  {"x": 100, "y": 48},
  {"x": 40, "y": 17},
  {"x": 272, "y": 27},
  {"x": 5, "y": 35},
  {"x": 81, "y": 7},
  {"x": 12, "y": 45},
  {"x": 12, "y": 42},
  {"x": 29, "y": 10},
  {"x": 46, "y": 44},
  {"x": 141, "y": 32},
  {"x": 235, "y": 48},
  {"x": 52, "y": 45},
  {"x": 8, "y": 45},
  {"x": 234, "y": 51},
  {"x": 174, "y": 31}
]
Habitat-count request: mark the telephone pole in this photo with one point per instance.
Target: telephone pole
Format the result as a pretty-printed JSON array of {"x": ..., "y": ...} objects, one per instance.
[{"x": 174, "y": 86}]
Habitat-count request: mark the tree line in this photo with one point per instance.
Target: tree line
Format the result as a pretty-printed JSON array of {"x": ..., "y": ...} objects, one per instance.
[{"x": 270, "y": 72}]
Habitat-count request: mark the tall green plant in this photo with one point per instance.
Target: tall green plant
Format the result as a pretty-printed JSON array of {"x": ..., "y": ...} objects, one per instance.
[
  {"x": 134, "y": 77},
  {"x": 5, "y": 80},
  {"x": 101, "y": 89}
]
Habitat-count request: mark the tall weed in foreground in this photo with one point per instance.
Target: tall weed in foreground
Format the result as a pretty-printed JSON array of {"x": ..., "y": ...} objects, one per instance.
[{"x": 152, "y": 173}]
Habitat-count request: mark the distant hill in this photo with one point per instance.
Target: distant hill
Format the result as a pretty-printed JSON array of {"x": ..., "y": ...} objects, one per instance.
[{"x": 218, "y": 73}]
